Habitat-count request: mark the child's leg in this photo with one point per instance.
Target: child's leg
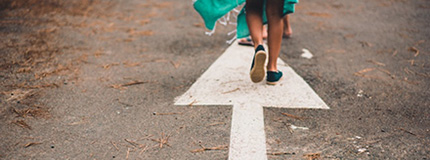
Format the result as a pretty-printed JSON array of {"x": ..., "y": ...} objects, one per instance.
[
  {"x": 274, "y": 11},
  {"x": 254, "y": 13},
  {"x": 264, "y": 32},
  {"x": 287, "y": 27}
]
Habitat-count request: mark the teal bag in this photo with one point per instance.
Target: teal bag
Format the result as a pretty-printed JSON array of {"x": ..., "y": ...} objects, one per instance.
[{"x": 212, "y": 10}]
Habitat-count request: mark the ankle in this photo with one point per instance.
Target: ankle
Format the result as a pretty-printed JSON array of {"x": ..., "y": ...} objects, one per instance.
[
  {"x": 258, "y": 47},
  {"x": 272, "y": 69}
]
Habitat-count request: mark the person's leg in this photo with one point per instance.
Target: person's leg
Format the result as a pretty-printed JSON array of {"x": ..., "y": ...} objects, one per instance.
[
  {"x": 274, "y": 9},
  {"x": 264, "y": 32},
  {"x": 254, "y": 19},
  {"x": 254, "y": 12},
  {"x": 287, "y": 27},
  {"x": 248, "y": 41}
]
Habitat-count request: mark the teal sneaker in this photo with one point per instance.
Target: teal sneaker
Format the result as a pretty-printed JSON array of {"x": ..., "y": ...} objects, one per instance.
[
  {"x": 257, "y": 68},
  {"x": 273, "y": 77}
]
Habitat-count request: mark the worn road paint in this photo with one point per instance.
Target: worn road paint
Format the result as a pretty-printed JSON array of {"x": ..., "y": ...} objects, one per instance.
[
  {"x": 306, "y": 54},
  {"x": 227, "y": 82}
]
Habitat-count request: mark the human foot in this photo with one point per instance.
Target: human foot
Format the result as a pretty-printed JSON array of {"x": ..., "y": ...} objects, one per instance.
[
  {"x": 287, "y": 32},
  {"x": 246, "y": 42}
]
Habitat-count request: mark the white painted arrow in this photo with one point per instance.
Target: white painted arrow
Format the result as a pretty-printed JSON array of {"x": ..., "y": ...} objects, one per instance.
[{"x": 227, "y": 82}]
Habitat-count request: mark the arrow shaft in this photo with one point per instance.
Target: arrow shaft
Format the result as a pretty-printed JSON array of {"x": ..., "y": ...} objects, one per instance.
[{"x": 247, "y": 137}]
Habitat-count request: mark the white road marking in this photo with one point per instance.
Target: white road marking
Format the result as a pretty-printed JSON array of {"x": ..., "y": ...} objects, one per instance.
[
  {"x": 306, "y": 54},
  {"x": 227, "y": 82},
  {"x": 247, "y": 137}
]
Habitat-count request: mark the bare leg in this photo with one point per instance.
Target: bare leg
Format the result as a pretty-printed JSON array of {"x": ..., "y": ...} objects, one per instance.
[
  {"x": 254, "y": 12},
  {"x": 264, "y": 32},
  {"x": 287, "y": 28},
  {"x": 248, "y": 41},
  {"x": 274, "y": 10}
]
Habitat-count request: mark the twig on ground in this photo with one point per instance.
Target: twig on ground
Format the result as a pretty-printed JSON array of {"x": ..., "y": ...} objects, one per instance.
[
  {"x": 234, "y": 90},
  {"x": 98, "y": 53},
  {"x": 361, "y": 72},
  {"x": 280, "y": 153},
  {"x": 402, "y": 129},
  {"x": 201, "y": 24},
  {"x": 394, "y": 53},
  {"x": 107, "y": 66},
  {"x": 22, "y": 124},
  {"x": 131, "y": 64},
  {"x": 422, "y": 74},
  {"x": 158, "y": 60},
  {"x": 419, "y": 42},
  {"x": 412, "y": 61},
  {"x": 366, "y": 44},
  {"x": 51, "y": 85},
  {"x": 387, "y": 72},
  {"x": 82, "y": 121},
  {"x": 407, "y": 71},
  {"x": 126, "y": 104},
  {"x": 312, "y": 156},
  {"x": 410, "y": 82},
  {"x": 145, "y": 138},
  {"x": 128, "y": 153},
  {"x": 222, "y": 147},
  {"x": 59, "y": 68},
  {"x": 120, "y": 86},
  {"x": 135, "y": 144},
  {"x": 37, "y": 86},
  {"x": 191, "y": 104},
  {"x": 116, "y": 147},
  {"x": 413, "y": 49},
  {"x": 18, "y": 94},
  {"x": 144, "y": 148},
  {"x": 216, "y": 123},
  {"x": 175, "y": 64},
  {"x": 162, "y": 114},
  {"x": 376, "y": 62},
  {"x": 34, "y": 112},
  {"x": 163, "y": 140},
  {"x": 133, "y": 83},
  {"x": 31, "y": 144}
]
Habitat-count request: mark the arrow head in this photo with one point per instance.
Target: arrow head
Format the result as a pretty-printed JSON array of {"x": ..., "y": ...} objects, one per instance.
[{"x": 227, "y": 82}]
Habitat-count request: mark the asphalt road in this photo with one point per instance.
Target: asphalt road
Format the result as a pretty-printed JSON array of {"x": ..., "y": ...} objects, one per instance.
[{"x": 98, "y": 79}]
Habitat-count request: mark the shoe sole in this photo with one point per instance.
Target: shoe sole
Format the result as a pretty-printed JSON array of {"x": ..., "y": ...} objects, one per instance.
[
  {"x": 274, "y": 83},
  {"x": 257, "y": 73}
]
